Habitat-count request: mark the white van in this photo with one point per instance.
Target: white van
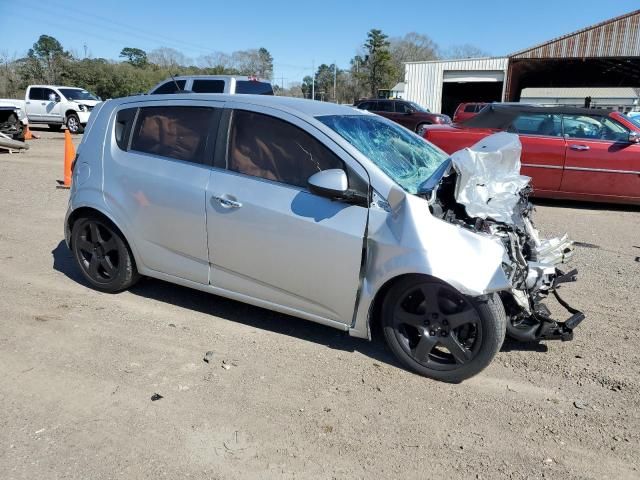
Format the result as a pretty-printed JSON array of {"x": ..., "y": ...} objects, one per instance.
[{"x": 230, "y": 84}]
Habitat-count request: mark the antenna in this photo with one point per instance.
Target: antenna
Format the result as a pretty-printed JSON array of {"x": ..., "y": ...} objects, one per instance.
[{"x": 176, "y": 83}]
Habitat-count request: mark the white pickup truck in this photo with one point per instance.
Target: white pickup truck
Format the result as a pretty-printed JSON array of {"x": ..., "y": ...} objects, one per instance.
[{"x": 57, "y": 106}]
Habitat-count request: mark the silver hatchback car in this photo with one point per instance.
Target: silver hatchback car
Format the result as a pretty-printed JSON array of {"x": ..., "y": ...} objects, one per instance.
[{"x": 319, "y": 211}]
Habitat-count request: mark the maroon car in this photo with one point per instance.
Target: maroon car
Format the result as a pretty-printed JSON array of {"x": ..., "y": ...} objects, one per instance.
[
  {"x": 465, "y": 111},
  {"x": 408, "y": 114},
  {"x": 572, "y": 153}
]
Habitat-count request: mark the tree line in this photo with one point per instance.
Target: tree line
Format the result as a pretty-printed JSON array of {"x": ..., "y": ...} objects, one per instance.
[{"x": 377, "y": 64}]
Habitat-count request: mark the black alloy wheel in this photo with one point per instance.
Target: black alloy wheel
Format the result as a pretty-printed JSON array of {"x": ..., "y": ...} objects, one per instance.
[
  {"x": 102, "y": 255},
  {"x": 436, "y": 331}
]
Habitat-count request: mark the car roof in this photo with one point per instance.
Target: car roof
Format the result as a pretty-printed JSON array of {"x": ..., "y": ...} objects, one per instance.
[
  {"x": 56, "y": 86},
  {"x": 217, "y": 77},
  {"x": 501, "y": 115},
  {"x": 302, "y": 106}
]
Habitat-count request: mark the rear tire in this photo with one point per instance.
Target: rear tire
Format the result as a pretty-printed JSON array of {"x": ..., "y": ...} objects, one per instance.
[
  {"x": 437, "y": 332},
  {"x": 102, "y": 254},
  {"x": 55, "y": 127}
]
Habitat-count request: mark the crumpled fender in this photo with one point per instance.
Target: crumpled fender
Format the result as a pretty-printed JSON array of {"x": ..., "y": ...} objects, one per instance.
[{"x": 412, "y": 241}]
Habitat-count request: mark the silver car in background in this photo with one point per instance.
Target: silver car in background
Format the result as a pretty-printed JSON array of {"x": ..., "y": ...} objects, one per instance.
[{"x": 319, "y": 211}]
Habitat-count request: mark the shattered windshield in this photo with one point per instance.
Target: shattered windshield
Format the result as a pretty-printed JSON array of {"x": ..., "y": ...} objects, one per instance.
[{"x": 406, "y": 158}]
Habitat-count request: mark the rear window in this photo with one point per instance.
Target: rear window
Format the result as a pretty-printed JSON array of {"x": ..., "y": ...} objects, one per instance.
[
  {"x": 253, "y": 87},
  {"x": 124, "y": 122},
  {"x": 208, "y": 86},
  {"x": 170, "y": 87},
  {"x": 175, "y": 132}
]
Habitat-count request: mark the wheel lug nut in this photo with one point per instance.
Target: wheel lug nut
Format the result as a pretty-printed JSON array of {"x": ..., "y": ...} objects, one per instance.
[
  {"x": 445, "y": 322},
  {"x": 432, "y": 333},
  {"x": 443, "y": 333}
]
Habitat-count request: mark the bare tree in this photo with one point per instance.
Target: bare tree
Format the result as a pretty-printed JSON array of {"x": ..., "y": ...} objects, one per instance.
[
  {"x": 465, "y": 50},
  {"x": 168, "y": 57},
  {"x": 216, "y": 59},
  {"x": 413, "y": 47}
]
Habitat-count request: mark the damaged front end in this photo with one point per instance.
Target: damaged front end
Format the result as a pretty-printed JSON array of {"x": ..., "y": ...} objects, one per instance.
[{"x": 481, "y": 189}]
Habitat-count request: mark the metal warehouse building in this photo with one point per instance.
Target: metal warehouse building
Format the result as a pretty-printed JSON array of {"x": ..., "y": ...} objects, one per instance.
[{"x": 602, "y": 55}]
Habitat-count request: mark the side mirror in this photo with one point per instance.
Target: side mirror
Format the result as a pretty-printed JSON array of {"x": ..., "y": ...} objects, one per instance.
[
  {"x": 334, "y": 184},
  {"x": 411, "y": 111},
  {"x": 331, "y": 183},
  {"x": 634, "y": 137},
  {"x": 52, "y": 97}
]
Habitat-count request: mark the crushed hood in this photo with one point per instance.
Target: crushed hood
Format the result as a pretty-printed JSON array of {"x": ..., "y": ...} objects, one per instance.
[{"x": 489, "y": 181}]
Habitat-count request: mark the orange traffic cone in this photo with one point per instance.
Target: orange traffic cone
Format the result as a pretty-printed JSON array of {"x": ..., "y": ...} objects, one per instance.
[
  {"x": 69, "y": 155},
  {"x": 27, "y": 134}
]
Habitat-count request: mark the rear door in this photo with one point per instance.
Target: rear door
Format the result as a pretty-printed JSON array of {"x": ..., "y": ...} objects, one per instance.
[
  {"x": 269, "y": 238},
  {"x": 35, "y": 104},
  {"x": 156, "y": 181},
  {"x": 600, "y": 159},
  {"x": 543, "y": 149}
]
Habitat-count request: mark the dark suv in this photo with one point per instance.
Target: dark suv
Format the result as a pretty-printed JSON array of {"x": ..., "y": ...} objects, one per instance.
[{"x": 408, "y": 114}]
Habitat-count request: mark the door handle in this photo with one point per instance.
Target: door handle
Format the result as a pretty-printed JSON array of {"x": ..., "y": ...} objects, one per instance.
[
  {"x": 227, "y": 203},
  {"x": 43, "y": 103},
  {"x": 579, "y": 147}
]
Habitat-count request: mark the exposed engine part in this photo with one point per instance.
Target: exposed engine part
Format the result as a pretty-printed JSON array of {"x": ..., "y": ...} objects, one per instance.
[{"x": 483, "y": 191}]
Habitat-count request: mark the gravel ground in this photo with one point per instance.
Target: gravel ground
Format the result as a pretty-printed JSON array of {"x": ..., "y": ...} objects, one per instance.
[{"x": 285, "y": 398}]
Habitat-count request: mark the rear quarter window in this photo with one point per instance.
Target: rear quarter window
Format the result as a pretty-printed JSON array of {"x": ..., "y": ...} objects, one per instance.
[{"x": 123, "y": 125}]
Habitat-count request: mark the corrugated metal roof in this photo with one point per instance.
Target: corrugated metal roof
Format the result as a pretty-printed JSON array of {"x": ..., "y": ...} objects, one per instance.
[
  {"x": 617, "y": 37},
  {"x": 579, "y": 92}
]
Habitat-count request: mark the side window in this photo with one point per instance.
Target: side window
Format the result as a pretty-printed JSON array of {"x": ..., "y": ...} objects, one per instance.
[
  {"x": 172, "y": 131},
  {"x": 385, "y": 106},
  {"x": 122, "y": 129},
  {"x": 267, "y": 147},
  {"x": 208, "y": 86},
  {"x": 253, "y": 87},
  {"x": 537, "y": 124},
  {"x": 47, "y": 92},
  {"x": 402, "y": 107},
  {"x": 170, "y": 87},
  {"x": 365, "y": 106},
  {"x": 582, "y": 126},
  {"x": 612, "y": 130},
  {"x": 471, "y": 108},
  {"x": 36, "y": 93}
]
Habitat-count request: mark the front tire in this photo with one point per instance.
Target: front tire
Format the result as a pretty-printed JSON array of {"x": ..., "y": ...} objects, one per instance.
[
  {"x": 102, "y": 255},
  {"x": 437, "y": 332},
  {"x": 420, "y": 128},
  {"x": 73, "y": 124}
]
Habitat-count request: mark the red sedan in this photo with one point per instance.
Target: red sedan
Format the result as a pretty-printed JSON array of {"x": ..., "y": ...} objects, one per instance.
[{"x": 572, "y": 153}]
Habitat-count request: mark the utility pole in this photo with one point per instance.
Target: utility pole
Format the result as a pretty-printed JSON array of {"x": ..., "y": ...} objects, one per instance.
[
  {"x": 335, "y": 76},
  {"x": 313, "y": 80},
  {"x": 85, "y": 50}
]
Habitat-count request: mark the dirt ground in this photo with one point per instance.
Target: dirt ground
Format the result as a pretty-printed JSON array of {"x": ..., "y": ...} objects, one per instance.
[{"x": 285, "y": 398}]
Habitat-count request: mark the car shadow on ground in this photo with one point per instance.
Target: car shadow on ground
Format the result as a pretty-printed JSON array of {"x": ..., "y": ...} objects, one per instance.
[
  {"x": 615, "y": 207},
  {"x": 256, "y": 317}
]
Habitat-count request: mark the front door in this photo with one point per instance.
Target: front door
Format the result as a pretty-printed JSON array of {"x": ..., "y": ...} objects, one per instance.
[
  {"x": 52, "y": 111},
  {"x": 599, "y": 159},
  {"x": 271, "y": 239},
  {"x": 157, "y": 182}
]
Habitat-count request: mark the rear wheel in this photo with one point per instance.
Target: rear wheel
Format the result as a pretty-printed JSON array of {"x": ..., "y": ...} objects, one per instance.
[
  {"x": 102, "y": 255},
  {"x": 55, "y": 127},
  {"x": 437, "y": 332},
  {"x": 73, "y": 124}
]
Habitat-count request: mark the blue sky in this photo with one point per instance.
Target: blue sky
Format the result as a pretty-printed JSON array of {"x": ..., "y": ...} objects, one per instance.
[{"x": 298, "y": 34}]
